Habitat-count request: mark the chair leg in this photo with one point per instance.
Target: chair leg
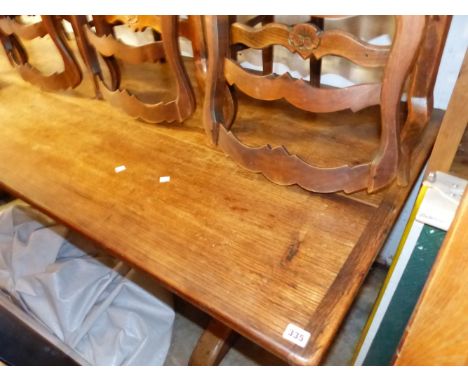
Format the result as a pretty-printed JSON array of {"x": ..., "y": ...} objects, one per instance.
[
  {"x": 421, "y": 88},
  {"x": 185, "y": 98},
  {"x": 199, "y": 49},
  {"x": 88, "y": 54},
  {"x": 408, "y": 36},
  {"x": 213, "y": 345},
  {"x": 217, "y": 38},
  {"x": 103, "y": 29}
]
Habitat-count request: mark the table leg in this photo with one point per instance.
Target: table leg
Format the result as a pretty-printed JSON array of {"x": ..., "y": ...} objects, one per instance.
[{"x": 213, "y": 345}]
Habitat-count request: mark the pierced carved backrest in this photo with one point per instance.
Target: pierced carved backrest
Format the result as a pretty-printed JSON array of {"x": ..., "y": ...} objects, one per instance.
[
  {"x": 12, "y": 31},
  {"x": 164, "y": 48},
  {"x": 309, "y": 41}
]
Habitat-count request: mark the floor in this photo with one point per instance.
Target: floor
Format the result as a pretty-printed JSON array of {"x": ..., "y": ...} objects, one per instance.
[{"x": 190, "y": 322}]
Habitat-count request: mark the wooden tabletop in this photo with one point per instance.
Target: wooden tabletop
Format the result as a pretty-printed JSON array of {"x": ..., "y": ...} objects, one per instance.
[{"x": 255, "y": 255}]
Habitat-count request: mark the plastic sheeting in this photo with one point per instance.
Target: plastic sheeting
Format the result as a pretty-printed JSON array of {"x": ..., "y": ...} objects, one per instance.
[{"x": 107, "y": 312}]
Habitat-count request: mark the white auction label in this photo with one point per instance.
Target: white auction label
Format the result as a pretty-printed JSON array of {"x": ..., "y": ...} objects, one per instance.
[
  {"x": 120, "y": 168},
  {"x": 164, "y": 179},
  {"x": 296, "y": 335}
]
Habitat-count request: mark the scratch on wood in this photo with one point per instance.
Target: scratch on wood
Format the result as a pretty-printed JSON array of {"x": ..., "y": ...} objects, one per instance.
[{"x": 293, "y": 249}]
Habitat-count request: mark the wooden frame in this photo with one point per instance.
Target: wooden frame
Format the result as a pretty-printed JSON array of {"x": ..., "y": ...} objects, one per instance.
[
  {"x": 421, "y": 86},
  {"x": 277, "y": 164},
  {"x": 193, "y": 29}
]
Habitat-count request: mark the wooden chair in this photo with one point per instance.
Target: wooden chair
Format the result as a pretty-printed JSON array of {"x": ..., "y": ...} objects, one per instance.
[
  {"x": 414, "y": 56},
  {"x": 164, "y": 48},
  {"x": 12, "y": 30},
  {"x": 192, "y": 28}
]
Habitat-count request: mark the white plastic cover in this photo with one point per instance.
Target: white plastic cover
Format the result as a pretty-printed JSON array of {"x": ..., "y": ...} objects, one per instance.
[{"x": 107, "y": 312}]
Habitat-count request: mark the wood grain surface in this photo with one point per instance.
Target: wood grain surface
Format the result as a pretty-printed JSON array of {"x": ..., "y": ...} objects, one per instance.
[{"x": 254, "y": 255}]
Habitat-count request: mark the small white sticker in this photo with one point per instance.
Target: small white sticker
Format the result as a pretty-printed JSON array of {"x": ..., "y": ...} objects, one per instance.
[
  {"x": 296, "y": 335},
  {"x": 164, "y": 179},
  {"x": 120, "y": 169}
]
